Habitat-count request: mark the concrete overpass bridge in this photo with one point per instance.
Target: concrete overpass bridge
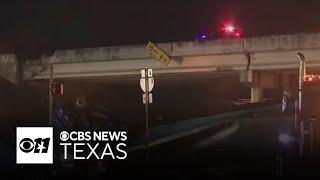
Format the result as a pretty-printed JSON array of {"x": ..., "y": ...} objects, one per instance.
[{"x": 261, "y": 62}]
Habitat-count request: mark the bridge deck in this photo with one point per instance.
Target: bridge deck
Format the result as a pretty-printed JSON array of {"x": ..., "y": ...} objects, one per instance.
[{"x": 266, "y": 52}]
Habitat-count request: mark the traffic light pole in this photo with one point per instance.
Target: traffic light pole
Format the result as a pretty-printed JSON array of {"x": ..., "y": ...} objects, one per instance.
[{"x": 51, "y": 97}]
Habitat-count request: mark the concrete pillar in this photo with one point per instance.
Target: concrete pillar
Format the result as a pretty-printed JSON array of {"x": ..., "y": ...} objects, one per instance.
[
  {"x": 256, "y": 94},
  {"x": 9, "y": 68},
  {"x": 286, "y": 84},
  {"x": 287, "y": 92},
  {"x": 246, "y": 76}
]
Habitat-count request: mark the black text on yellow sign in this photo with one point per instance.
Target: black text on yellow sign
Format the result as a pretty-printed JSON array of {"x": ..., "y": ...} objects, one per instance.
[{"x": 158, "y": 53}]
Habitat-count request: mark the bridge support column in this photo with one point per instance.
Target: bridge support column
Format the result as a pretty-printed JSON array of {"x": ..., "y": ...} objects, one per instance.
[
  {"x": 10, "y": 69},
  {"x": 260, "y": 80},
  {"x": 287, "y": 85},
  {"x": 287, "y": 92},
  {"x": 256, "y": 81},
  {"x": 256, "y": 94}
]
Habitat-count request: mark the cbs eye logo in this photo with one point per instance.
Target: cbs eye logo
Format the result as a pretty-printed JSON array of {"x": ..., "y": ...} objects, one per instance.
[
  {"x": 34, "y": 145},
  {"x": 38, "y": 145}
]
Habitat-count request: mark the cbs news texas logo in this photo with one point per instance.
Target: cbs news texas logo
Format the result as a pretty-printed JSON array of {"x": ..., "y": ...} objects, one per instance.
[{"x": 34, "y": 145}]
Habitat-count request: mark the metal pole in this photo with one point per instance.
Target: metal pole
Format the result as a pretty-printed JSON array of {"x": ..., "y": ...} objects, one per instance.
[
  {"x": 311, "y": 136},
  {"x": 301, "y": 137},
  {"x": 51, "y": 97},
  {"x": 296, "y": 114},
  {"x": 147, "y": 113},
  {"x": 302, "y": 73}
]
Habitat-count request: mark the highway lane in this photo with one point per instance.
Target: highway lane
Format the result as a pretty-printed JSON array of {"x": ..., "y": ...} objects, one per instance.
[{"x": 249, "y": 151}]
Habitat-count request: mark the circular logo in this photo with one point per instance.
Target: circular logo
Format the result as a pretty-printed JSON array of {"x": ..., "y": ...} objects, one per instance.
[
  {"x": 26, "y": 145},
  {"x": 64, "y": 136}
]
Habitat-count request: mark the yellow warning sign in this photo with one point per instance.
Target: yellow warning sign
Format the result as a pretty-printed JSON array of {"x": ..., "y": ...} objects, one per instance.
[{"x": 158, "y": 53}]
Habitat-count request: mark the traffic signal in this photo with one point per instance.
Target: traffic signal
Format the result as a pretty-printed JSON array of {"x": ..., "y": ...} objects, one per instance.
[{"x": 56, "y": 89}]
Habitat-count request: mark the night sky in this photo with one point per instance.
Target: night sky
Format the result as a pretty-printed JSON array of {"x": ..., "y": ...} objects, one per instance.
[{"x": 30, "y": 28}]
